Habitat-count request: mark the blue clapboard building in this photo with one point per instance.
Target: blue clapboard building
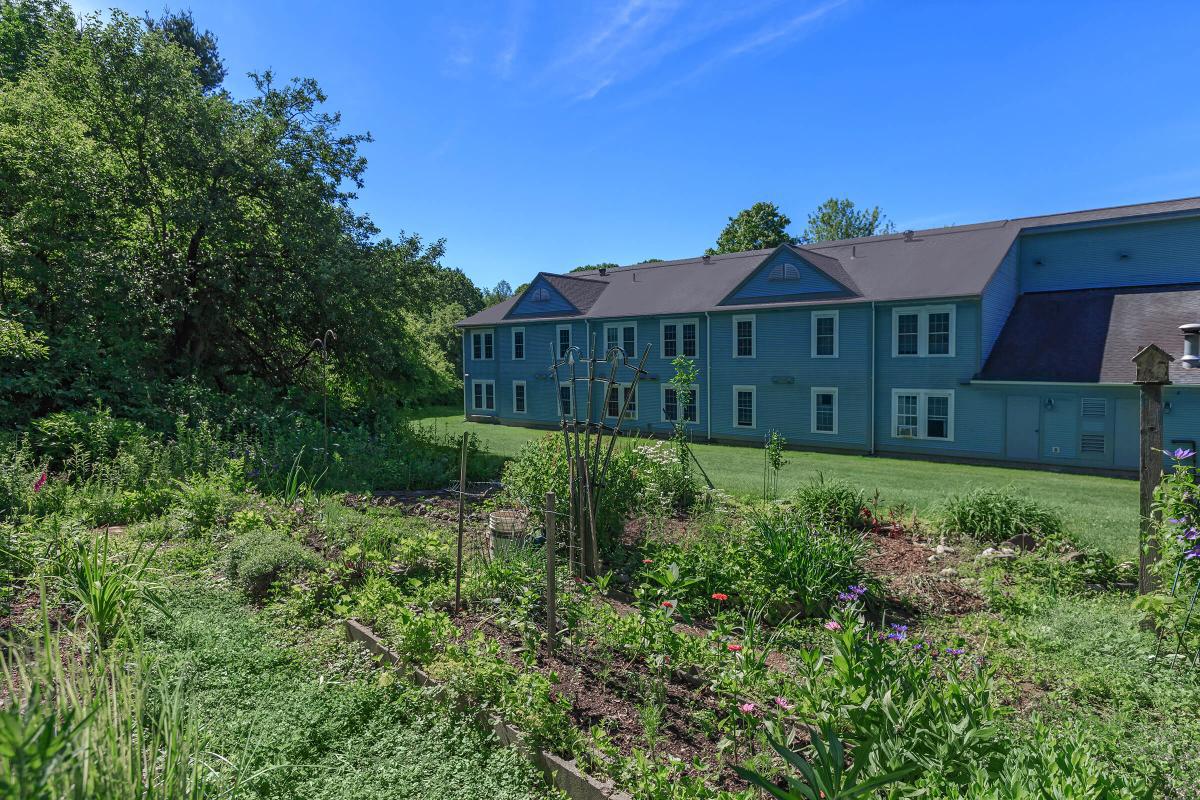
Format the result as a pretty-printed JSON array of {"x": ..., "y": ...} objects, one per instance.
[{"x": 1005, "y": 341}]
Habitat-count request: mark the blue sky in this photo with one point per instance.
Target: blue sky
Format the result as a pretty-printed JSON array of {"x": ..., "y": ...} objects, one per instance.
[{"x": 543, "y": 136}]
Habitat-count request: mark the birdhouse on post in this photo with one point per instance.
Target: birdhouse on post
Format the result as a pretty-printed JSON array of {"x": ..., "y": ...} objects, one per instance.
[{"x": 1153, "y": 371}]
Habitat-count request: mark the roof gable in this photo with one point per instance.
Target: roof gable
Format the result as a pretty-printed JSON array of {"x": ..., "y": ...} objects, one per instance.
[
  {"x": 541, "y": 299},
  {"x": 790, "y": 274}
]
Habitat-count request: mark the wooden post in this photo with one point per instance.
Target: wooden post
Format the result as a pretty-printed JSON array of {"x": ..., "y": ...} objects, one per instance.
[
  {"x": 1153, "y": 372},
  {"x": 551, "y": 584},
  {"x": 462, "y": 496}
]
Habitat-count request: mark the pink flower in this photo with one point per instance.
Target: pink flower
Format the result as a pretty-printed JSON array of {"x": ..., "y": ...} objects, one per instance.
[
  {"x": 783, "y": 703},
  {"x": 40, "y": 482},
  {"x": 719, "y": 597},
  {"x": 733, "y": 648},
  {"x": 747, "y": 708},
  {"x": 833, "y": 625}
]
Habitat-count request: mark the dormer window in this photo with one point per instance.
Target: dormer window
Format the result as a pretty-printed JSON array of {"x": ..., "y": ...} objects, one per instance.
[
  {"x": 541, "y": 295},
  {"x": 784, "y": 272}
]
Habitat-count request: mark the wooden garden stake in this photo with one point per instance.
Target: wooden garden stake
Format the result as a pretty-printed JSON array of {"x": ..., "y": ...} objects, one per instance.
[
  {"x": 551, "y": 585},
  {"x": 462, "y": 496},
  {"x": 1153, "y": 372}
]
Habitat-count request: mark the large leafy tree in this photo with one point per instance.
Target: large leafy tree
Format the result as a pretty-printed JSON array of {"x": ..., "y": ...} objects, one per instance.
[
  {"x": 152, "y": 229},
  {"x": 758, "y": 227},
  {"x": 841, "y": 219}
]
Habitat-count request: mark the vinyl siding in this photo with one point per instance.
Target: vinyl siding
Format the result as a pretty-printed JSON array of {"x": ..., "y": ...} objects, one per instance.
[
  {"x": 999, "y": 297},
  {"x": 1161, "y": 252},
  {"x": 782, "y": 352},
  {"x": 811, "y": 280}
]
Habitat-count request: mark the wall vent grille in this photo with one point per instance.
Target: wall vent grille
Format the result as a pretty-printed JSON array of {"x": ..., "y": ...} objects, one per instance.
[
  {"x": 1092, "y": 443},
  {"x": 1093, "y": 407}
]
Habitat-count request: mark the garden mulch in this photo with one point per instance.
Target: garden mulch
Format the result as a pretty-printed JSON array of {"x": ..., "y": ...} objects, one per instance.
[{"x": 913, "y": 585}]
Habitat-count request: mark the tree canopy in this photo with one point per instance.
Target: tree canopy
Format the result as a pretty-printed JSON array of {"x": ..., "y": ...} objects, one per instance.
[
  {"x": 840, "y": 219},
  {"x": 153, "y": 229},
  {"x": 758, "y": 227}
]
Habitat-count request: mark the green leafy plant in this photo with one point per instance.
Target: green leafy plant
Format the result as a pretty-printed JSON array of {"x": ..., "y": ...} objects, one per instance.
[
  {"x": 826, "y": 777},
  {"x": 831, "y": 503},
  {"x": 994, "y": 515},
  {"x": 107, "y": 588},
  {"x": 257, "y": 560}
]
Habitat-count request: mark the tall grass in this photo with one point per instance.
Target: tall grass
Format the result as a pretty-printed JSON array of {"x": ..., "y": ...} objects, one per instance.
[
  {"x": 994, "y": 515},
  {"x": 76, "y": 724}
]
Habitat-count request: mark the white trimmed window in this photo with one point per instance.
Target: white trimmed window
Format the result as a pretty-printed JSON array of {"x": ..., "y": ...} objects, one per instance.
[
  {"x": 923, "y": 414},
  {"x": 564, "y": 340},
  {"x": 622, "y": 335},
  {"x": 824, "y": 410},
  {"x": 564, "y": 398},
  {"x": 483, "y": 395},
  {"x": 745, "y": 406},
  {"x": 671, "y": 405},
  {"x": 518, "y": 344},
  {"x": 482, "y": 344},
  {"x": 680, "y": 337},
  {"x": 617, "y": 395},
  {"x": 824, "y": 334},
  {"x": 923, "y": 331},
  {"x": 743, "y": 336},
  {"x": 519, "y": 397}
]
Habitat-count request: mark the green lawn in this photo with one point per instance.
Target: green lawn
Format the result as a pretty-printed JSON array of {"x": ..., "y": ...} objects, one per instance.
[{"x": 1101, "y": 511}]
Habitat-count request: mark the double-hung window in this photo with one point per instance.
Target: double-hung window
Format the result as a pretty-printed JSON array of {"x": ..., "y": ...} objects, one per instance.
[
  {"x": 824, "y": 334},
  {"x": 564, "y": 398},
  {"x": 564, "y": 340},
  {"x": 675, "y": 400},
  {"x": 679, "y": 338},
  {"x": 622, "y": 335},
  {"x": 518, "y": 397},
  {"x": 482, "y": 343},
  {"x": 745, "y": 411},
  {"x": 923, "y": 414},
  {"x": 518, "y": 344},
  {"x": 923, "y": 331},
  {"x": 619, "y": 394},
  {"x": 483, "y": 395},
  {"x": 824, "y": 410},
  {"x": 743, "y": 336}
]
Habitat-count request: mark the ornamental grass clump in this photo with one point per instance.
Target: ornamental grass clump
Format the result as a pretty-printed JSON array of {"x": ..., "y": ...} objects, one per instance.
[
  {"x": 831, "y": 503},
  {"x": 994, "y": 515}
]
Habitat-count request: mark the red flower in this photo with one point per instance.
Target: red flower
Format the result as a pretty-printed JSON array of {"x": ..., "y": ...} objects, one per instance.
[
  {"x": 733, "y": 648},
  {"x": 647, "y": 560},
  {"x": 40, "y": 482},
  {"x": 667, "y": 604},
  {"x": 719, "y": 597}
]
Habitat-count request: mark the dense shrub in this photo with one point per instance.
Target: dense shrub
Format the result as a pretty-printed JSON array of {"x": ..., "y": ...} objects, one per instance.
[
  {"x": 831, "y": 503},
  {"x": 994, "y": 515},
  {"x": 257, "y": 560}
]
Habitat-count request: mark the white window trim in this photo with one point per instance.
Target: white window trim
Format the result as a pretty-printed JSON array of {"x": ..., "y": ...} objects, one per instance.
[
  {"x": 558, "y": 339},
  {"x": 621, "y": 399},
  {"x": 753, "y": 334},
  {"x": 524, "y": 344},
  {"x": 662, "y": 405},
  {"x": 484, "y": 384},
  {"x": 678, "y": 325},
  {"x": 558, "y": 409},
  {"x": 816, "y": 315},
  {"x": 620, "y": 326},
  {"x": 514, "y": 397},
  {"x": 923, "y": 396},
  {"x": 812, "y": 400},
  {"x": 923, "y": 313},
  {"x": 753, "y": 390},
  {"x": 481, "y": 332}
]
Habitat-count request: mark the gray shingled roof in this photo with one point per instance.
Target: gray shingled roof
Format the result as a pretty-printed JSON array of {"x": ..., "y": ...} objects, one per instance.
[
  {"x": 1091, "y": 335},
  {"x": 941, "y": 262}
]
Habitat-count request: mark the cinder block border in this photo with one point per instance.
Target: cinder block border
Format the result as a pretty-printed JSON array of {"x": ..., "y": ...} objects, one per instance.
[{"x": 561, "y": 773}]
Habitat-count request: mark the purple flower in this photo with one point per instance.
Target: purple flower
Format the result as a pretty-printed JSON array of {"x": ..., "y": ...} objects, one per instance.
[
  {"x": 1178, "y": 521},
  {"x": 852, "y": 594},
  {"x": 1183, "y": 453},
  {"x": 747, "y": 708},
  {"x": 899, "y": 633},
  {"x": 1192, "y": 534},
  {"x": 1193, "y": 553},
  {"x": 955, "y": 651}
]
